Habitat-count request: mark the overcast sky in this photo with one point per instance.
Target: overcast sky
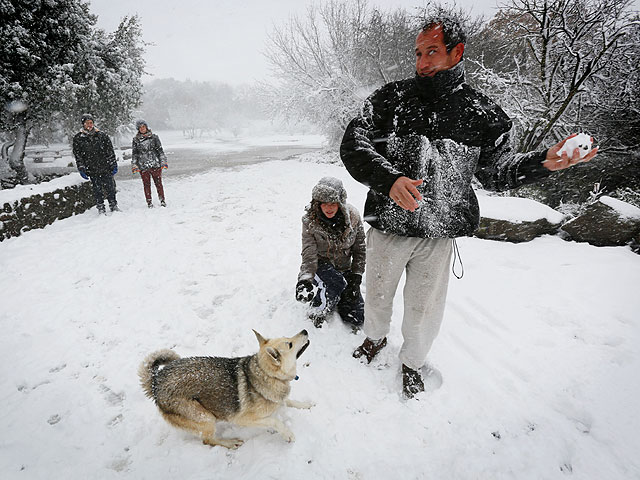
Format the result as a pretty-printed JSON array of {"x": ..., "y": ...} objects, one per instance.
[{"x": 220, "y": 40}]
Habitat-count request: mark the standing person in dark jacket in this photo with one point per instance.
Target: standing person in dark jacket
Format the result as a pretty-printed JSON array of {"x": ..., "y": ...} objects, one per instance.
[
  {"x": 417, "y": 144},
  {"x": 96, "y": 161},
  {"x": 333, "y": 255},
  {"x": 149, "y": 159}
]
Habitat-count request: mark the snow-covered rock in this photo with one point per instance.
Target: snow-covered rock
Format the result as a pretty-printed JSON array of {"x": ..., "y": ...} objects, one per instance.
[
  {"x": 606, "y": 222},
  {"x": 514, "y": 219}
]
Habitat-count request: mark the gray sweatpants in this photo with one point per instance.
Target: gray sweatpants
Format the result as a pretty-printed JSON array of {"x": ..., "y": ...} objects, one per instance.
[{"x": 427, "y": 263}]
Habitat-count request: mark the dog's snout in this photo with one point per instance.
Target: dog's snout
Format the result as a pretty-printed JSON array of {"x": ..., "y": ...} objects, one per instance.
[{"x": 304, "y": 332}]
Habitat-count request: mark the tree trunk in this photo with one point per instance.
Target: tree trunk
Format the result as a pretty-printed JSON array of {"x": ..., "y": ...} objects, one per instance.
[{"x": 16, "y": 157}]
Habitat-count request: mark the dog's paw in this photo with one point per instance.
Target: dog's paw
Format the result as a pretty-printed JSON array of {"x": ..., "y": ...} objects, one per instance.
[
  {"x": 230, "y": 443},
  {"x": 301, "y": 405},
  {"x": 288, "y": 436},
  {"x": 233, "y": 443}
]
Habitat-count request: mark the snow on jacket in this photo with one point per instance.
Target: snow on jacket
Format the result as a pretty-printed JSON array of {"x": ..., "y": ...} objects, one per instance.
[
  {"x": 147, "y": 152},
  {"x": 440, "y": 130},
  {"x": 343, "y": 248},
  {"x": 93, "y": 152}
]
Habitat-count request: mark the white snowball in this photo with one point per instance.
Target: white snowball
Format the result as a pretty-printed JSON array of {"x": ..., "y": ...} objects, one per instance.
[
  {"x": 17, "y": 106},
  {"x": 582, "y": 141}
]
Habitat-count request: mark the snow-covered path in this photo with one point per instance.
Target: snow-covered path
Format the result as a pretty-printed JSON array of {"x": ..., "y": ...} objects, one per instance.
[{"x": 538, "y": 351}]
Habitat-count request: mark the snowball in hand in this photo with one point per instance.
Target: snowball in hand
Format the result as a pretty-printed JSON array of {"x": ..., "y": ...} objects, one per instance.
[
  {"x": 582, "y": 142},
  {"x": 17, "y": 106}
]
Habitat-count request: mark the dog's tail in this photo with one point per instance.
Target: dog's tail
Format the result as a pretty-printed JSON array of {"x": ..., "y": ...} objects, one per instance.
[{"x": 150, "y": 365}]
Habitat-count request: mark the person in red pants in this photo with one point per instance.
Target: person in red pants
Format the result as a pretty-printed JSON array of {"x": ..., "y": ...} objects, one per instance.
[{"x": 149, "y": 160}]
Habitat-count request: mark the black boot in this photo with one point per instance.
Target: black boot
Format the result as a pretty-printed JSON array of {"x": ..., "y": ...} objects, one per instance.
[
  {"x": 411, "y": 381},
  {"x": 370, "y": 348}
]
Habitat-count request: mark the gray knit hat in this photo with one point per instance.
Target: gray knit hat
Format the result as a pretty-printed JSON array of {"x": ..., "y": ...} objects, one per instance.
[
  {"x": 141, "y": 122},
  {"x": 85, "y": 117},
  {"x": 329, "y": 190}
]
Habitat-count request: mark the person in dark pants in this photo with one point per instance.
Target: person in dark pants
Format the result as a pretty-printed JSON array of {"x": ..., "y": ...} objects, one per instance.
[
  {"x": 333, "y": 255},
  {"x": 417, "y": 144},
  {"x": 148, "y": 158},
  {"x": 96, "y": 161}
]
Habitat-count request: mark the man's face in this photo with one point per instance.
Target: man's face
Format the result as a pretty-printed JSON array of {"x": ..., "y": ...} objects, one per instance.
[
  {"x": 431, "y": 53},
  {"x": 88, "y": 124}
]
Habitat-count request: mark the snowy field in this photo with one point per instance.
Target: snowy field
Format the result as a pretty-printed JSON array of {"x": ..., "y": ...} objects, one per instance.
[{"x": 538, "y": 351}]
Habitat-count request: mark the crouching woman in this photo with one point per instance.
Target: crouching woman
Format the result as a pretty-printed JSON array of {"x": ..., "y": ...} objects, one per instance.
[{"x": 333, "y": 255}]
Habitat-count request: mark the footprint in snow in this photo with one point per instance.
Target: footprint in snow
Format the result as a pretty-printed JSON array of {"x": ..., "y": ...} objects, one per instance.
[
  {"x": 112, "y": 397},
  {"x": 120, "y": 464},
  {"x": 115, "y": 421},
  {"x": 58, "y": 368},
  {"x": 23, "y": 387},
  {"x": 53, "y": 419}
]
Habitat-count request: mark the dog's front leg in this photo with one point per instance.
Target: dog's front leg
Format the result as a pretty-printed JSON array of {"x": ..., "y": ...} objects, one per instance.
[
  {"x": 296, "y": 404},
  {"x": 272, "y": 422}
]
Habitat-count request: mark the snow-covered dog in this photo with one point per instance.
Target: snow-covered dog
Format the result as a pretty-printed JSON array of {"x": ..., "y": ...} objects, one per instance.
[{"x": 193, "y": 393}]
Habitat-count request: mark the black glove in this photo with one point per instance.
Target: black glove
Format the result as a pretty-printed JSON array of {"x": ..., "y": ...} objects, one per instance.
[
  {"x": 304, "y": 291},
  {"x": 351, "y": 292}
]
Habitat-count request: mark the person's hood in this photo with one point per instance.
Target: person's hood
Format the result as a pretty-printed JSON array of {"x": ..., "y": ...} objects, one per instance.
[{"x": 329, "y": 190}]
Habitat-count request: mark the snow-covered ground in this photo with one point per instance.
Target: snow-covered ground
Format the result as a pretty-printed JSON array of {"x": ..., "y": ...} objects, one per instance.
[
  {"x": 225, "y": 141},
  {"x": 57, "y": 158},
  {"x": 538, "y": 351}
]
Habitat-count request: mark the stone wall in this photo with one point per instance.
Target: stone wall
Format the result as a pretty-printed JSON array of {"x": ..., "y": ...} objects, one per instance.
[{"x": 40, "y": 210}]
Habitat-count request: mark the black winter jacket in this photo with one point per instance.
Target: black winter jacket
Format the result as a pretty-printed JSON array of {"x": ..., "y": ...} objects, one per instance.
[
  {"x": 94, "y": 153},
  {"x": 442, "y": 131}
]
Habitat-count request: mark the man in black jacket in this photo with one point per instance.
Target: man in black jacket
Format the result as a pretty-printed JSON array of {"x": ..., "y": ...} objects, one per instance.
[
  {"x": 417, "y": 145},
  {"x": 96, "y": 160}
]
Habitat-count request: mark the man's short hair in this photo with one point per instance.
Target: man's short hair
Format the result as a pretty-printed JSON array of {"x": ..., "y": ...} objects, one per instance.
[{"x": 451, "y": 28}]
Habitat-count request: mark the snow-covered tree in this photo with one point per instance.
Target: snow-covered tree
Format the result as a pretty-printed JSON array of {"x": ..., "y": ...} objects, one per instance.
[
  {"x": 610, "y": 109},
  {"x": 39, "y": 44},
  {"x": 109, "y": 72},
  {"x": 330, "y": 60},
  {"x": 54, "y": 65},
  {"x": 548, "y": 61}
]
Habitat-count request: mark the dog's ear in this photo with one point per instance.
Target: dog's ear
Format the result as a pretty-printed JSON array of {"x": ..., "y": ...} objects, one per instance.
[
  {"x": 261, "y": 339},
  {"x": 274, "y": 354}
]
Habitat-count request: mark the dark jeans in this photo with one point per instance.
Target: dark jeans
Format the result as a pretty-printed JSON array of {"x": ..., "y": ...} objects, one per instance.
[
  {"x": 331, "y": 284},
  {"x": 104, "y": 186}
]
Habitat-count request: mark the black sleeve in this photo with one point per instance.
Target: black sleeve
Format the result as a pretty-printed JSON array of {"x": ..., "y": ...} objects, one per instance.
[
  {"x": 358, "y": 148},
  {"x": 499, "y": 166},
  {"x": 77, "y": 153},
  {"x": 109, "y": 153}
]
